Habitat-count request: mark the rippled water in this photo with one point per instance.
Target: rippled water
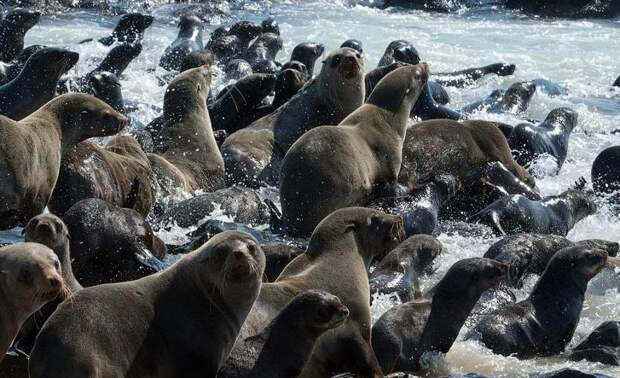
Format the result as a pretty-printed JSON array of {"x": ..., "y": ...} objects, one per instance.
[{"x": 581, "y": 55}]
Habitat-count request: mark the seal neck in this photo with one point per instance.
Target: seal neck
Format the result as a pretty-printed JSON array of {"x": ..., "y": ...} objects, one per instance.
[
  {"x": 9, "y": 325},
  {"x": 64, "y": 254}
]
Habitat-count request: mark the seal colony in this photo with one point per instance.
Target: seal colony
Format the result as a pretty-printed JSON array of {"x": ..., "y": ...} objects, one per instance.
[{"x": 336, "y": 181}]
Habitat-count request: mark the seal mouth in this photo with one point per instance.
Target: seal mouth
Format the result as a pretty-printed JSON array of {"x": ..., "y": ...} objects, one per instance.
[
  {"x": 339, "y": 318},
  {"x": 350, "y": 68}
]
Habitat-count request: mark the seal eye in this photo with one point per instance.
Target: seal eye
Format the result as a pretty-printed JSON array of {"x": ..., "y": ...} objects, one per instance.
[{"x": 335, "y": 61}]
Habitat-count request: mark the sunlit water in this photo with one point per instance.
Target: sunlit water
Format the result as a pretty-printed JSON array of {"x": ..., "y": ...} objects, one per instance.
[{"x": 582, "y": 55}]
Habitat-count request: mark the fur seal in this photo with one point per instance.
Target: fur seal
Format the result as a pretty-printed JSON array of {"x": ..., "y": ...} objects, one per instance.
[
  {"x": 288, "y": 83},
  {"x": 31, "y": 150},
  {"x": 399, "y": 51},
  {"x": 530, "y": 253},
  {"x": 552, "y": 215},
  {"x": 544, "y": 323},
  {"x": 253, "y": 155},
  {"x": 36, "y": 83},
  {"x": 337, "y": 260},
  {"x": 233, "y": 110},
  {"x": 399, "y": 272},
  {"x": 428, "y": 108},
  {"x": 514, "y": 100},
  {"x": 243, "y": 205},
  {"x": 278, "y": 255},
  {"x": 115, "y": 62},
  {"x": 9, "y": 71},
  {"x": 190, "y": 159},
  {"x": 13, "y": 29},
  {"x": 120, "y": 174},
  {"x": 111, "y": 244},
  {"x": 550, "y": 137},
  {"x": 355, "y": 44},
  {"x": 606, "y": 172},
  {"x": 602, "y": 345},
  {"x": 307, "y": 53},
  {"x": 29, "y": 278},
  {"x": 274, "y": 353},
  {"x": 617, "y": 82},
  {"x": 130, "y": 28},
  {"x": 188, "y": 40},
  {"x": 432, "y": 323},
  {"x": 468, "y": 76},
  {"x": 237, "y": 69},
  {"x": 270, "y": 25},
  {"x": 459, "y": 149},
  {"x": 334, "y": 167},
  {"x": 147, "y": 320},
  {"x": 107, "y": 87},
  {"x": 264, "y": 48}
]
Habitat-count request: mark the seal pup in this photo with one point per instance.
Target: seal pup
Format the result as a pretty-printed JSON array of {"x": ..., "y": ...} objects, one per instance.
[
  {"x": 119, "y": 173},
  {"x": 552, "y": 215},
  {"x": 605, "y": 172},
  {"x": 602, "y": 345},
  {"x": 188, "y": 40},
  {"x": 469, "y": 75},
  {"x": 107, "y": 87},
  {"x": 530, "y": 253},
  {"x": 147, "y": 320},
  {"x": 253, "y": 155},
  {"x": 544, "y": 323},
  {"x": 288, "y": 83},
  {"x": 231, "y": 111},
  {"x": 307, "y": 53},
  {"x": 263, "y": 49},
  {"x": 514, "y": 100},
  {"x": 334, "y": 167},
  {"x": 9, "y": 71},
  {"x": 550, "y": 137},
  {"x": 283, "y": 348},
  {"x": 31, "y": 150},
  {"x": 36, "y": 83},
  {"x": 401, "y": 51},
  {"x": 13, "y": 29},
  {"x": 460, "y": 149},
  {"x": 355, "y": 44},
  {"x": 30, "y": 276},
  {"x": 278, "y": 255},
  {"x": 399, "y": 272},
  {"x": 190, "y": 159},
  {"x": 431, "y": 324},
  {"x": 337, "y": 260},
  {"x": 111, "y": 244},
  {"x": 270, "y": 25},
  {"x": 130, "y": 28}
]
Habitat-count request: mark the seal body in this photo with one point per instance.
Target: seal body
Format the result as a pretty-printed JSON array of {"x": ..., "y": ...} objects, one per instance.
[
  {"x": 111, "y": 244},
  {"x": 605, "y": 172},
  {"x": 602, "y": 345},
  {"x": 13, "y": 29},
  {"x": 253, "y": 155},
  {"x": 31, "y": 150},
  {"x": 130, "y": 28},
  {"x": 335, "y": 167},
  {"x": 36, "y": 83},
  {"x": 29, "y": 278},
  {"x": 469, "y": 75},
  {"x": 399, "y": 272},
  {"x": 458, "y": 149},
  {"x": 191, "y": 158},
  {"x": 550, "y": 137},
  {"x": 551, "y": 215},
  {"x": 515, "y": 100},
  {"x": 432, "y": 323},
  {"x": 188, "y": 40},
  {"x": 307, "y": 53},
  {"x": 120, "y": 174},
  {"x": 144, "y": 323},
  {"x": 336, "y": 260},
  {"x": 274, "y": 353},
  {"x": 544, "y": 323}
]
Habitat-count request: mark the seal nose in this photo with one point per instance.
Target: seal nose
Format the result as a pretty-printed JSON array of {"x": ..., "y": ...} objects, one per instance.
[
  {"x": 344, "y": 312},
  {"x": 239, "y": 254},
  {"x": 54, "y": 282}
]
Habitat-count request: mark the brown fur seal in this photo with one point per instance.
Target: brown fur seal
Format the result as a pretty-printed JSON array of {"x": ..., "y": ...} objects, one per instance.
[
  {"x": 31, "y": 150},
  {"x": 253, "y": 155},
  {"x": 190, "y": 159},
  {"x": 283, "y": 348},
  {"x": 29, "y": 278},
  {"x": 461, "y": 149},
  {"x": 334, "y": 167},
  {"x": 340, "y": 251},
  {"x": 120, "y": 174},
  {"x": 181, "y": 322}
]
